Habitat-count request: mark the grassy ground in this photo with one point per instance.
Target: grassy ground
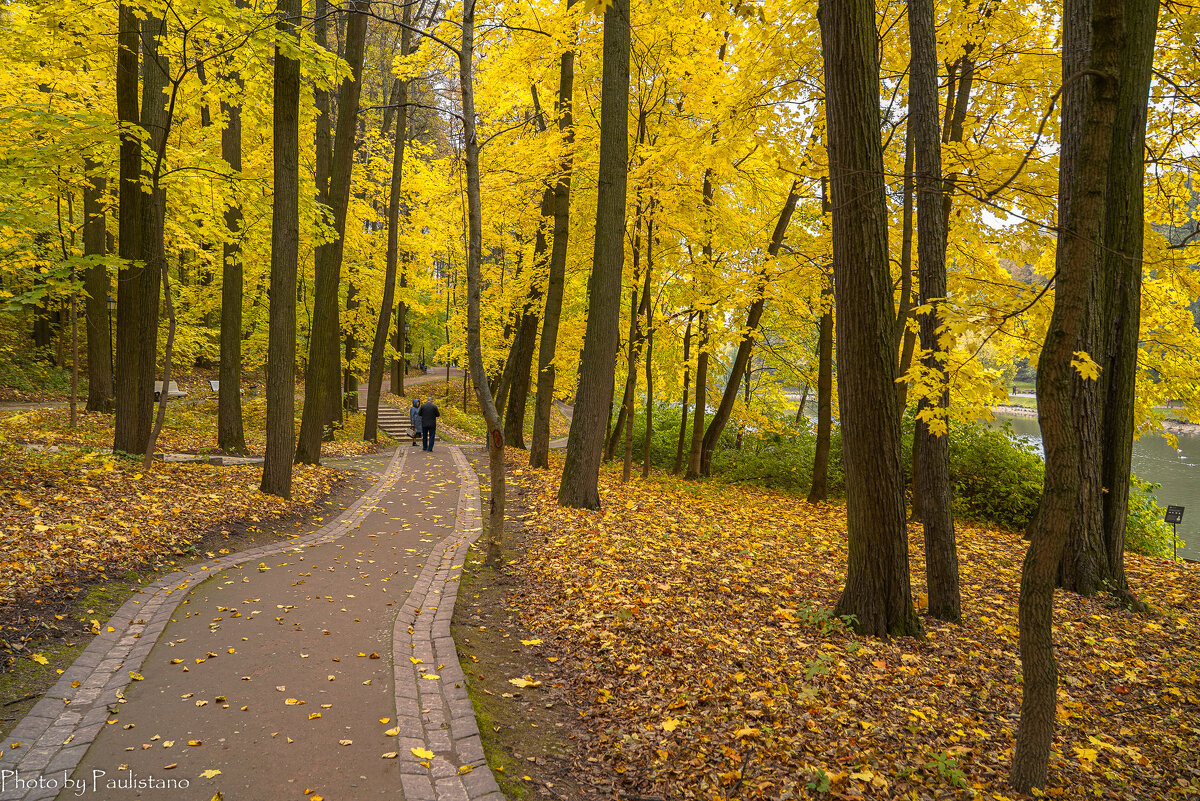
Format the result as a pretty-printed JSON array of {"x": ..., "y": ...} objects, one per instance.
[{"x": 698, "y": 644}]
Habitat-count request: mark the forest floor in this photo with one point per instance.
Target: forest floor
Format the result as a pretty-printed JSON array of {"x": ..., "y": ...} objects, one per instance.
[{"x": 687, "y": 634}]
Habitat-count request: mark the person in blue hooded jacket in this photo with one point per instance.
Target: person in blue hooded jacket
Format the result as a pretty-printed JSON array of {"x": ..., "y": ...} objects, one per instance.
[{"x": 414, "y": 417}]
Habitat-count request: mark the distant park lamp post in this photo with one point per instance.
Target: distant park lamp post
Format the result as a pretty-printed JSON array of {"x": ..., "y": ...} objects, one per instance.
[
  {"x": 112, "y": 305},
  {"x": 1174, "y": 516}
]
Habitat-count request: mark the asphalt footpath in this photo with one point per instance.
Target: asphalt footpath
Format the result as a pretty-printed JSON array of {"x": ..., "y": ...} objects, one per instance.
[{"x": 317, "y": 669}]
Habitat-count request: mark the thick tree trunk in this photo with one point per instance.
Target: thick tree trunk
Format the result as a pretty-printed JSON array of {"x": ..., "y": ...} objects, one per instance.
[
  {"x": 819, "y": 491},
  {"x": 526, "y": 337},
  {"x": 494, "y": 524},
  {"x": 742, "y": 358},
  {"x": 905, "y": 340},
  {"x": 383, "y": 324},
  {"x": 877, "y": 591},
  {"x": 231, "y": 437},
  {"x": 1093, "y": 31},
  {"x": 539, "y": 447},
  {"x": 285, "y": 235},
  {"x": 683, "y": 405},
  {"x": 96, "y": 285},
  {"x": 128, "y": 337},
  {"x": 931, "y": 435},
  {"x": 585, "y": 444},
  {"x": 693, "y": 467},
  {"x": 322, "y": 378}
]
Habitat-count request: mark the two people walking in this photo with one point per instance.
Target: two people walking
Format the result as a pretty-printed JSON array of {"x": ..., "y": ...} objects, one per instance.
[{"x": 424, "y": 421}]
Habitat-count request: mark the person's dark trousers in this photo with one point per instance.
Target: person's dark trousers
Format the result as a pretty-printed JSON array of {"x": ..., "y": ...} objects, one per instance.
[{"x": 427, "y": 437}]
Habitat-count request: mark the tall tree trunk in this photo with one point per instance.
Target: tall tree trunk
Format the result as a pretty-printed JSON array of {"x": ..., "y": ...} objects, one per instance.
[
  {"x": 1107, "y": 52},
  {"x": 349, "y": 376},
  {"x": 693, "y": 467},
  {"x": 231, "y": 437},
  {"x": 539, "y": 448},
  {"x": 324, "y": 356},
  {"x": 877, "y": 592},
  {"x": 285, "y": 235},
  {"x": 649, "y": 356},
  {"x": 129, "y": 222},
  {"x": 683, "y": 418},
  {"x": 742, "y": 358},
  {"x": 375, "y": 378},
  {"x": 581, "y": 471},
  {"x": 905, "y": 339},
  {"x": 931, "y": 434},
  {"x": 494, "y": 524},
  {"x": 819, "y": 491},
  {"x": 521, "y": 357},
  {"x": 97, "y": 287}
]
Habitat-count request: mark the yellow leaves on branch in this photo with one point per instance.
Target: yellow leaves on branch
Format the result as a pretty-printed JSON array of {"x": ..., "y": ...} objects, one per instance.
[{"x": 1083, "y": 364}]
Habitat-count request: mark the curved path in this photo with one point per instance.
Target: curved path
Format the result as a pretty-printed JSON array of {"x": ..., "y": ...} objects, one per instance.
[{"x": 321, "y": 666}]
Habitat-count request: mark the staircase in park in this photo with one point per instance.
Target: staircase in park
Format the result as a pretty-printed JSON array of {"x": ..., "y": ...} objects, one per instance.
[{"x": 394, "y": 422}]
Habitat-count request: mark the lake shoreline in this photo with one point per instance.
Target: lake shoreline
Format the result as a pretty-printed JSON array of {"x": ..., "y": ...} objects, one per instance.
[{"x": 1170, "y": 426}]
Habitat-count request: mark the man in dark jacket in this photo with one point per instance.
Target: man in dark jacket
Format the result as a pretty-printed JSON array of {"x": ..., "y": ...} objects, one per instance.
[{"x": 429, "y": 414}]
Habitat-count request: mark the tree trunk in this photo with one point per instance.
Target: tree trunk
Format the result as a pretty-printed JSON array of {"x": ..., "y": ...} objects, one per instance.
[
  {"x": 285, "y": 235},
  {"x": 97, "y": 287},
  {"x": 693, "y": 467},
  {"x": 494, "y": 524},
  {"x": 539, "y": 448},
  {"x": 585, "y": 444},
  {"x": 905, "y": 340},
  {"x": 819, "y": 491},
  {"x": 526, "y": 336},
  {"x": 877, "y": 591},
  {"x": 742, "y": 359},
  {"x": 324, "y": 356},
  {"x": 683, "y": 419},
  {"x": 231, "y": 437},
  {"x": 375, "y": 378},
  {"x": 1107, "y": 52},
  {"x": 931, "y": 434},
  {"x": 129, "y": 342},
  {"x": 349, "y": 376},
  {"x": 649, "y": 356}
]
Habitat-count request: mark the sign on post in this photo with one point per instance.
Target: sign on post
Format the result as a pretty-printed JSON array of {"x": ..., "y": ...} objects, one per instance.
[{"x": 1174, "y": 516}]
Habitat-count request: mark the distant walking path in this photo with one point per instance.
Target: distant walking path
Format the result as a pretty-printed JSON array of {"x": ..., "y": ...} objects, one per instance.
[{"x": 318, "y": 666}]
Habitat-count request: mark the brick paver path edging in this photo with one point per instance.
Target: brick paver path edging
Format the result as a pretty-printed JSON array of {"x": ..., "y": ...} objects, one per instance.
[
  {"x": 57, "y": 732},
  {"x": 431, "y": 697}
]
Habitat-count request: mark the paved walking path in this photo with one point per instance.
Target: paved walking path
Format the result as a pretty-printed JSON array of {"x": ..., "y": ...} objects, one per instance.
[{"x": 318, "y": 667}]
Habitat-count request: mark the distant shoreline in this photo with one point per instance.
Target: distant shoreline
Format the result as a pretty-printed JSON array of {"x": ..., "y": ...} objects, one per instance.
[{"x": 1171, "y": 426}]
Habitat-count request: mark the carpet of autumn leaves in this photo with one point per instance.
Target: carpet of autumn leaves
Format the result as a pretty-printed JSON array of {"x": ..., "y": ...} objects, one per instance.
[
  {"x": 71, "y": 517},
  {"x": 189, "y": 427},
  {"x": 691, "y": 620}
]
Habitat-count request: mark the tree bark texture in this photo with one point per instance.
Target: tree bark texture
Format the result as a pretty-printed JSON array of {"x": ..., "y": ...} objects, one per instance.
[
  {"x": 96, "y": 285},
  {"x": 941, "y": 556},
  {"x": 596, "y": 369},
  {"x": 877, "y": 592},
  {"x": 526, "y": 336},
  {"x": 129, "y": 342},
  {"x": 383, "y": 324},
  {"x": 231, "y": 437},
  {"x": 494, "y": 524},
  {"x": 285, "y": 235},
  {"x": 683, "y": 405},
  {"x": 539, "y": 448},
  {"x": 701, "y": 404},
  {"x": 323, "y": 375},
  {"x": 1107, "y": 51},
  {"x": 740, "y": 361},
  {"x": 818, "y": 492}
]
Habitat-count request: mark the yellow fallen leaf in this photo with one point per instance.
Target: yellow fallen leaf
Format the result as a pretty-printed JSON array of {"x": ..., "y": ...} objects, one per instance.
[
  {"x": 195, "y": 742},
  {"x": 746, "y": 732},
  {"x": 524, "y": 683},
  {"x": 210, "y": 773},
  {"x": 465, "y": 769},
  {"x": 422, "y": 753},
  {"x": 531, "y": 642},
  {"x": 385, "y": 721},
  {"x": 345, "y": 742},
  {"x": 41, "y": 660},
  {"x": 314, "y": 716},
  {"x": 391, "y": 755},
  {"x": 293, "y": 702},
  {"x": 133, "y": 674},
  {"x": 392, "y": 732},
  {"x": 670, "y": 724}
]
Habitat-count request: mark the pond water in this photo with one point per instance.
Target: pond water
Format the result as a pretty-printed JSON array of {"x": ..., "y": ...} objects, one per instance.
[{"x": 1154, "y": 460}]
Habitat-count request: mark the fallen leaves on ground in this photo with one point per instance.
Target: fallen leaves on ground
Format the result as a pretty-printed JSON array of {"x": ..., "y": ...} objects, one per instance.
[
  {"x": 702, "y": 654},
  {"x": 75, "y": 516},
  {"x": 190, "y": 427}
]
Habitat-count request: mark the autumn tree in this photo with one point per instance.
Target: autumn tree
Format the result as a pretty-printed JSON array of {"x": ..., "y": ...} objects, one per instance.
[
  {"x": 285, "y": 225},
  {"x": 586, "y": 439},
  {"x": 877, "y": 591},
  {"x": 1107, "y": 55}
]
